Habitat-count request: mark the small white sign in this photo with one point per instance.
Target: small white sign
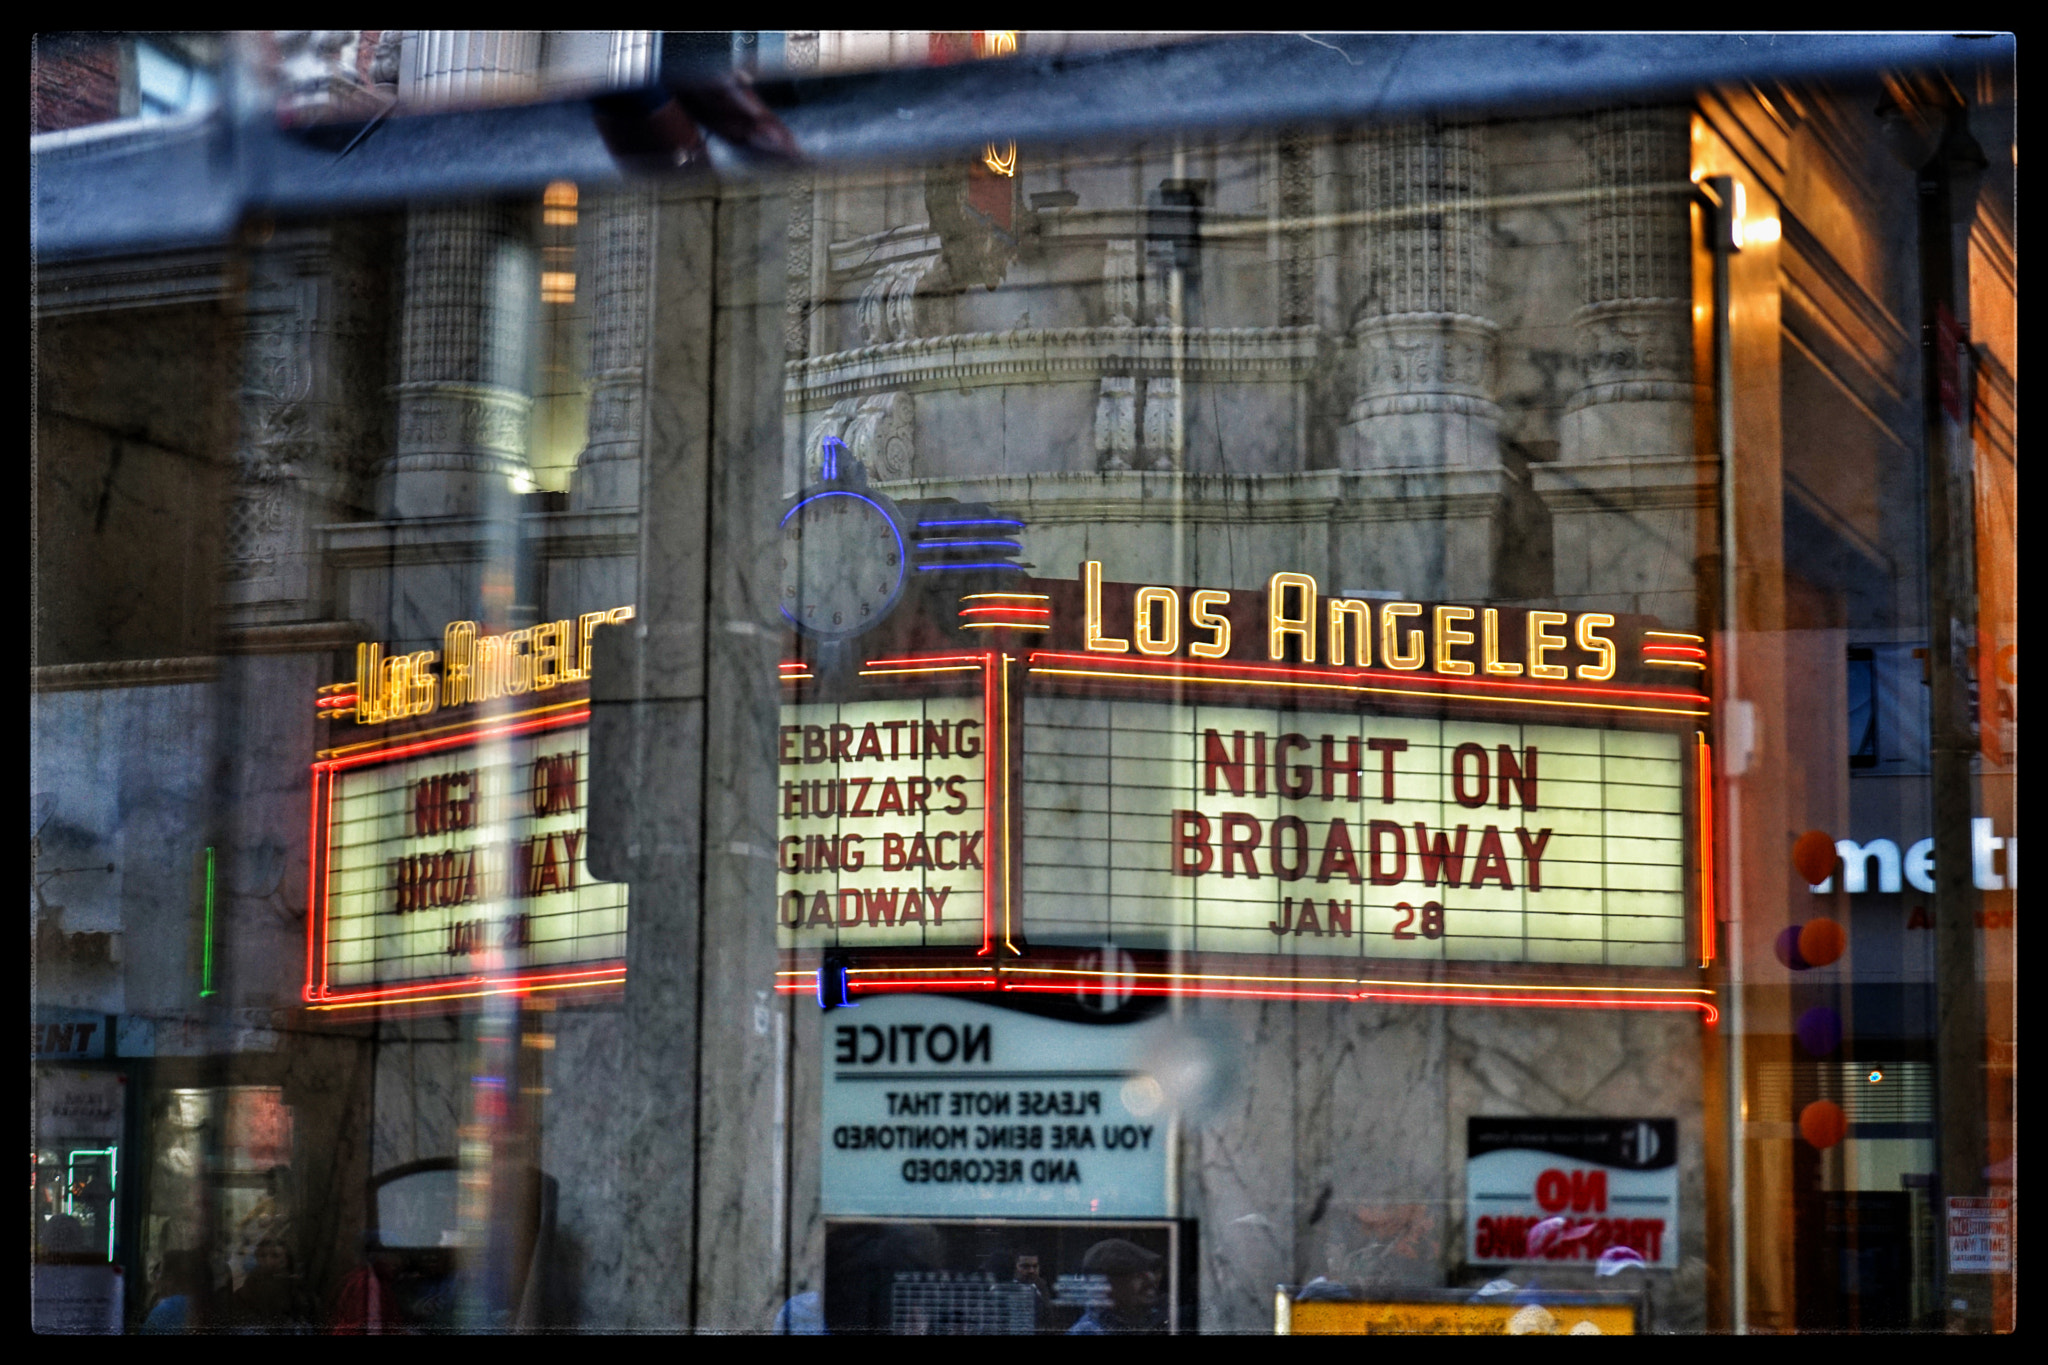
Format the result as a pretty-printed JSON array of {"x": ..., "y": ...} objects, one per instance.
[
  {"x": 1603, "y": 1191},
  {"x": 1979, "y": 1236},
  {"x": 79, "y": 1104},
  {"x": 942, "y": 1106}
]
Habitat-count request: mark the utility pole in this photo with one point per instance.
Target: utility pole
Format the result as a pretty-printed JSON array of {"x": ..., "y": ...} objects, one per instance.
[{"x": 1947, "y": 186}]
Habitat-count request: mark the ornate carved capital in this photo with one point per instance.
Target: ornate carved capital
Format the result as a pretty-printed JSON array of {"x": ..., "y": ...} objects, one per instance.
[
  {"x": 1116, "y": 421},
  {"x": 1420, "y": 362},
  {"x": 880, "y": 431}
]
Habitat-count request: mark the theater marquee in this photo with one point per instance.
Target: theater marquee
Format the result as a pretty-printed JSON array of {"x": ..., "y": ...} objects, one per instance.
[
  {"x": 449, "y": 842},
  {"x": 1259, "y": 831},
  {"x": 1277, "y": 773}
]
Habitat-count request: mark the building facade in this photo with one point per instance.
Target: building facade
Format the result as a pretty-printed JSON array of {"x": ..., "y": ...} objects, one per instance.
[{"x": 1456, "y": 679}]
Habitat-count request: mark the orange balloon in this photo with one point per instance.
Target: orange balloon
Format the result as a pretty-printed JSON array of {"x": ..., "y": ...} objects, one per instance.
[
  {"x": 1821, "y": 941},
  {"x": 1813, "y": 854},
  {"x": 1823, "y": 1123}
]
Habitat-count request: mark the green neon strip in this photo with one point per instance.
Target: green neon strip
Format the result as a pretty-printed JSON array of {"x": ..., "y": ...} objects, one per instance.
[
  {"x": 206, "y": 976},
  {"x": 112, "y": 1154}
]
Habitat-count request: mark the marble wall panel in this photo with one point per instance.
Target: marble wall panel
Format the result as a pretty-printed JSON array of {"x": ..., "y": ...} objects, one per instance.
[
  {"x": 421, "y": 1090},
  {"x": 595, "y": 583},
  {"x": 1012, "y": 428},
  {"x": 1371, "y": 1203},
  {"x": 127, "y": 777},
  {"x": 1536, "y": 279},
  {"x": 261, "y": 868},
  {"x": 581, "y": 1146},
  {"x": 742, "y": 1216},
  {"x": 1443, "y": 559},
  {"x": 1246, "y": 428},
  {"x": 1620, "y": 1064},
  {"x": 1239, "y": 1166},
  {"x": 1596, "y": 565}
]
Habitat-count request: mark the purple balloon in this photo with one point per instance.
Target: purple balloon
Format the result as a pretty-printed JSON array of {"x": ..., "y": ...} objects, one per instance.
[
  {"x": 1788, "y": 948},
  {"x": 1819, "y": 1030}
]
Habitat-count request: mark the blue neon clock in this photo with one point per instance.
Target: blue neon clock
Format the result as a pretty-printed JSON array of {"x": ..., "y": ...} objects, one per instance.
[{"x": 843, "y": 553}]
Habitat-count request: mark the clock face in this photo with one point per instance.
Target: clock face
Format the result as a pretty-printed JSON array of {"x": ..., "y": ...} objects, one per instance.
[{"x": 843, "y": 564}]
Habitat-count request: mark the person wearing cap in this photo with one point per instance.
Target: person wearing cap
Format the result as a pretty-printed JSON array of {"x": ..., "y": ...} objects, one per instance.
[{"x": 1133, "y": 1275}]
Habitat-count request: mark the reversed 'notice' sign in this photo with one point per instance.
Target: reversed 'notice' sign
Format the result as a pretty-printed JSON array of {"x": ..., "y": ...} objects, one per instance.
[{"x": 941, "y": 1106}]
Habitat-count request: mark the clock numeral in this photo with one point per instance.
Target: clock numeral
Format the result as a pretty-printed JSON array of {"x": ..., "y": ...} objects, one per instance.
[
  {"x": 866, "y": 610},
  {"x": 838, "y": 617}
]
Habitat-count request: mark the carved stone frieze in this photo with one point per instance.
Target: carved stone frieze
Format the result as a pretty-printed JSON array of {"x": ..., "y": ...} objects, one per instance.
[
  {"x": 965, "y": 359},
  {"x": 1295, "y": 154},
  {"x": 317, "y": 71},
  {"x": 1632, "y": 350},
  {"x": 276, "y": 442},
  {"x": 463, "y": 426},
  {"x": 1437, "y": 359},
  {"x": 799, "y": 293}
]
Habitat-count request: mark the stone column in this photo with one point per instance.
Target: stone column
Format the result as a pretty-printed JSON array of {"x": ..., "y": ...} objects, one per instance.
[
  {"x": 1625, "y": 442},
  {"x": 1635, "y": 395},
  {"x": 470, "y": 288},
  {"x": 1426, "y": 346},
  {"x": 608, "y": 470},
  {"x": 1423, "y": 433}
]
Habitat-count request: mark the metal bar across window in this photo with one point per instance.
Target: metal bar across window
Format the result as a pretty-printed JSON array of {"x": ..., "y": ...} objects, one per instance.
[{"x": 190, "y": 184}]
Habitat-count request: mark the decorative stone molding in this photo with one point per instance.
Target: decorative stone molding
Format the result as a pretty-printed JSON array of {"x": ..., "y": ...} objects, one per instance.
[
  {"x": 1120, "y": 282},
  {"x": 1294, "y": 153},
  {"x": 1164, "y": 428},
  {"x": 1426, "y": 348},
  {"x": 123, "y": 673},
  {"x": 468, "y": 67},
  {"x": 167, "y": 280},
  {"x": 463, "y": 426},
  {"x": 1314, "y": 498},
  {"x": 887, "y": 309},
  {"x": 277, "y": 381},
  {"x": 316, "y": 71},
  {"x": 1636, "y": 390},
  {"x": 1427, "y": 362},
  {"x": 880, "y": 431},
  {"x": 964, "y": 360},
  {"x": 297, "y": 637},
  {"x": 1116, "y": 422}
]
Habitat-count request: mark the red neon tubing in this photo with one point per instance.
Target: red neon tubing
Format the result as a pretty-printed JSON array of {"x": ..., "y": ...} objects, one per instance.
[{"x": 1168, "y": 668}]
